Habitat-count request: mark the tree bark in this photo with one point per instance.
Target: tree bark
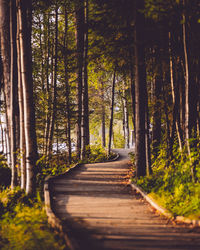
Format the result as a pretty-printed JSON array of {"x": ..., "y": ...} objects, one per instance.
[
  {"x": 148, "y": 142},
  {"x": 85, "y": 131},
  {"x": 25, "y": 20},
  {"x": 13, "y": 93},
  {"x": 79, "y": 11},
  {"x": 103, "y": 118},
  {"x": 140, "y": 92},
  {"x": 5, "y": 53},
  {"x": 111, "y": 114},
  {"x": 54, "y": 110},
  {"x": 156, "y": 131},
  {"x": 126, "y": 120},
  {"x": 22, "y": 146},
  {"x": 175, "y": 97},
  {"x": 48, "y": 94},
  {"x": 67, "y": 91}
]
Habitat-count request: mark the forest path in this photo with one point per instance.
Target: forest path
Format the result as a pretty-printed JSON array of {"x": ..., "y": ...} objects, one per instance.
[{"x": 101, "y": 211}]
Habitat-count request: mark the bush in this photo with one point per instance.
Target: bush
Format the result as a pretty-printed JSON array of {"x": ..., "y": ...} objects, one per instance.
[
  {"x": 24, "y": 223},
  {"x": 96, "y": 153},
  {"x": 172, "y": 182}
]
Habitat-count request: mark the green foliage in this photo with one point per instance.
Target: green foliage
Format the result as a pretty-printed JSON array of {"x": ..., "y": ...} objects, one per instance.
[
  {"x": 97, "y": 154},
  {"x": 132, "y": 157},
  {"x": 172, "y": 182},
  {"x": 50, "y": 167},
  {"x": 24, "y": 223},
  {"x": 119, "y": 140},
  {"x": 10, "y": 198}
]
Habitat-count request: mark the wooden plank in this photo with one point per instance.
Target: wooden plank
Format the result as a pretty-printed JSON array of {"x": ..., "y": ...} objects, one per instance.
[{"x": 102, "y": 212}]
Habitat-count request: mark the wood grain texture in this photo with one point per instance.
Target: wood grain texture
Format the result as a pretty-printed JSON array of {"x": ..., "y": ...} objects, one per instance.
[{"x": 101, "y": 211}]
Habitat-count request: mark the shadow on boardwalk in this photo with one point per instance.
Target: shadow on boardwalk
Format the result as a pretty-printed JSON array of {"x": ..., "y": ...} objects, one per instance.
[{"x": 101, "y": 211}]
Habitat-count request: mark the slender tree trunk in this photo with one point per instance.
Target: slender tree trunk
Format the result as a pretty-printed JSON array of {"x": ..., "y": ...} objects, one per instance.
[
  {"x": 182, "y": 97},
  {"x": 126, "y": 120},
  {"x": 7, "y": 153},
  {"x": 187, "y": 87},
  {"x": 166, "y": 118},
  {"x": 5, "y": 53},
  {"x": 148, "y": 142},
  {"x": 42, "y": 57},
  {"x": 79, "y": 11},
  {"x": 188, "y": 93},
  {"x": 175, "y": 98},
  {"x": 140, "y": 92},
  {"x": 132, "y": 93},
  {"x": 22, "y": 146},
  {"x": 25, "y": 21},
  {"x": 67, "y": 91},
  {"x": 103, "y": 120},
  {"x": 54, "y": 110},
  {"x": 48, "y": 112},
  {"x": 86, "y": 132},
  {"x": 13, "y": 92},
  {"x": 2, "y": 143},
  {"x": 111, "y": 114},
  {"x": 156, "y": 131},
  {"x": 123, "y": 119},
  {"x": 41, "y": 54}
]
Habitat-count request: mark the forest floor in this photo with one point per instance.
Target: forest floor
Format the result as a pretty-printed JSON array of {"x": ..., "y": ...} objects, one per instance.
[{"x": 101, "y": 211}]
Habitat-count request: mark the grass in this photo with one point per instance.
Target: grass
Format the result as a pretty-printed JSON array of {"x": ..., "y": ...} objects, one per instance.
[
  {"x": 24, "y": 223},
  {"x": 173, "y": 184},
  {"x": 23, "y": 220}
]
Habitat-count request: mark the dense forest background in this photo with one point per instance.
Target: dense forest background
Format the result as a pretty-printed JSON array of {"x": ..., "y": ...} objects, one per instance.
[{"x": 75, "y": 74}]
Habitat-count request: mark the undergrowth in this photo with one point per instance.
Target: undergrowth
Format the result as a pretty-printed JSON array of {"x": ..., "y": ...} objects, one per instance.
[
  {"x": 175, "y": 183},
  {"x": 58, "y": 163},
  {"x": 96, "y": 153},
  {"x": 23, "y": 223}
]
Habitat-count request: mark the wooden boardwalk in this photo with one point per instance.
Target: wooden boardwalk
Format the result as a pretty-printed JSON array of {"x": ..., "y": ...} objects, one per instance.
[{"x": 102, "y": 212}]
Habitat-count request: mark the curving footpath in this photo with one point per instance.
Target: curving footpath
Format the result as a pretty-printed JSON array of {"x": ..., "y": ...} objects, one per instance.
[{"x": 98, "y": 209}]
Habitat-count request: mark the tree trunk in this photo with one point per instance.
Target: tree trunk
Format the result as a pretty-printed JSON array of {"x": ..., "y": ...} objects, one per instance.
[
  {"x": 156, "y": 131},
  {"x": 148, "y": 142},
  {"x": 85, "y": 132},
  {"x": 54, "y": 110},
  {"x": 140, "y": 92},
  {"x": 187, "y": 88},
  {"x": 48, "y": 112},
  {"x": 25, "y": 20},
  {"x": 189, "y": 112},
  {"x": 13, "y": 92},
  {"x": 79, "y": 11},
  {"x": 111, "y": 115},
  {"x": 5, "y": 53},
  {"x": 67, "y": 91},
  {"x": 175, "y": 97},
  {"x": 22, "y": 146},
  {"x": 126, "y": 120},
  {"x": 103, "y": 120}
]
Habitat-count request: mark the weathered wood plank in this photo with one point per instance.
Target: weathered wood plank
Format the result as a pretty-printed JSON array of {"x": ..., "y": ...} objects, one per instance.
[{"x": 102, "y": 212}]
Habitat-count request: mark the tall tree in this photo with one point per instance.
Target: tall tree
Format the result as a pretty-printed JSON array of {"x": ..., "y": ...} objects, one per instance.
[
  {"x": 67, "y": 88},
  {"x": 25, "y": 23},
  {"x": 140, "y": 86},
  {"x": 13, "y": 92},
  {"x": 80, "y": 20},
  {"x": 54, "y": 109},
  {"x": 85, "y": 122},
  {"x": 5, "y": 54},
  {"x": 111, "y": 112}
]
